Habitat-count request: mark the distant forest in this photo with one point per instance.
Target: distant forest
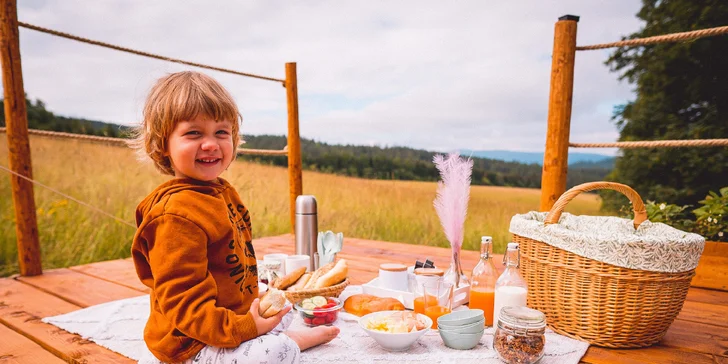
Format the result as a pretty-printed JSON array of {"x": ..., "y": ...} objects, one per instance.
[{"x": 350, "y": 160}]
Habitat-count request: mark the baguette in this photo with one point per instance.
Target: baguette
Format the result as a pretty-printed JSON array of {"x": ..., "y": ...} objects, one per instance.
[
  {"x": 272, "y": 302},
  {"x": 317, "y": 274},
  {"x": 300, "y": 283},
  {"x": 337, "y": 274},
  {"x": 287, "y": 281}
]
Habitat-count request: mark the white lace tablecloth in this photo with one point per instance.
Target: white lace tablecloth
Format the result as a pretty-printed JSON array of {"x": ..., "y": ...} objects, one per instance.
[
  {"x": 353, "y": 345},
  {"x": 119, "y": 326}
]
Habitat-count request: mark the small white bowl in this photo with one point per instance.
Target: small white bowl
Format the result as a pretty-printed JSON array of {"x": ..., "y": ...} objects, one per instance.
[
  {"x": 394, "y": 342},
  {"x": 464, "y": 329},
  {"x": 460, "y": 318},
  {"x": 461, "y": 341}
]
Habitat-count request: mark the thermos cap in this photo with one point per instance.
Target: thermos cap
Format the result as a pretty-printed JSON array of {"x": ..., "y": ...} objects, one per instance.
[{"x": 306, "y": 204}]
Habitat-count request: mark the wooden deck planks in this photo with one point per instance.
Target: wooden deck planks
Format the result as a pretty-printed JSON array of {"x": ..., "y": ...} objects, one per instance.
[
  {"x": 78, "y": 288},
  {"x": 21, "y": 308},
  {"x": 699, "y": 335},
  {"x": 21, "y": 350},
  {"x": 119, "y": 271}
]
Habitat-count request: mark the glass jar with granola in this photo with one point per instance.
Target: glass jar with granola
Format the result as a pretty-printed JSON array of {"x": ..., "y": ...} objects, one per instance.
[{"x": 519, "y": 337}]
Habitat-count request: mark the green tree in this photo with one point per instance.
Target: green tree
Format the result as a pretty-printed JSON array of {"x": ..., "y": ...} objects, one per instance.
[{"x": 682, "y": 93}]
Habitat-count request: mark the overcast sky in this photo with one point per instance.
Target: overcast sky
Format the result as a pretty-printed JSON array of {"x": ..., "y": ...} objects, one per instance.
[{"x": 436, "y": 75}]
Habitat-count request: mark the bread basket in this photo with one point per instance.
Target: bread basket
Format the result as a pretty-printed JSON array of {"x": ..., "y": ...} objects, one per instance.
[{"x": 332, "y": 291}]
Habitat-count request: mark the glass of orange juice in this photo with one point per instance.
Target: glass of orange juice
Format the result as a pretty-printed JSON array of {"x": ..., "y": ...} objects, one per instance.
[
  {"x": 437, "y": 300},
  {"x": 419, "y": 302}
]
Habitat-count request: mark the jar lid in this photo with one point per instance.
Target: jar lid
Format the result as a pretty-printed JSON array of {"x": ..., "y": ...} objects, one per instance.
[
  {"x": 521, "y": 318},
  {"x": 429, "y": 272},
  {"x": 271, "y": 264},
  {"x": 393, "y": 267}
]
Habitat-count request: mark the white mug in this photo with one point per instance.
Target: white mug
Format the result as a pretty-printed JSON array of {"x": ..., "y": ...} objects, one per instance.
[
  {"x": 294, "y": 262},
  {"x": 277, "y": 257}
]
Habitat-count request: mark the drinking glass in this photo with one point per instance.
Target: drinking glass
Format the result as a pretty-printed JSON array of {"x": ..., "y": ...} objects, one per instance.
[
  {"x": 437, "y": 300},
  {"x": 419, "y": 301}
]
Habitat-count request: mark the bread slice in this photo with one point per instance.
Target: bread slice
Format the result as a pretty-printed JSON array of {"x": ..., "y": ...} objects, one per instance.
[
  {"x": 289, "y": 279},
  {"x": 317, "y": 274},
  {"x": 337, "y": 274},
  {"x": 300, "y": 283}
]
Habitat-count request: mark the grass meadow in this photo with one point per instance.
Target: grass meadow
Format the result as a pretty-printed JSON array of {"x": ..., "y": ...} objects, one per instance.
[{"x": 112, "y": 179}]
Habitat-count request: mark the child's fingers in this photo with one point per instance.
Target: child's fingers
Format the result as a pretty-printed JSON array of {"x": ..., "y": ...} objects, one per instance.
[
  {"x": 254, "y": 307},
  {"x": 279, "y": 316},
  {"x": 285, "y": 310}
]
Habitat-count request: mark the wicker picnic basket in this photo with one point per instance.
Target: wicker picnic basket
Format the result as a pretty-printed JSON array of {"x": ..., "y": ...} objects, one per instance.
[
  {"x": 333, "y": 291},
  {"x": 594, "y": 282}
]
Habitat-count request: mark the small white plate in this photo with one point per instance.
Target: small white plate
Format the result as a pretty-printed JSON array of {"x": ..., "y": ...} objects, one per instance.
[{"x": 262, "y": 287}]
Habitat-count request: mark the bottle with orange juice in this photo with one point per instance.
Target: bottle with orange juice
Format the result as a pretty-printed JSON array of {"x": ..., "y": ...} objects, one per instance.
[{"x": 482, "y": 283}]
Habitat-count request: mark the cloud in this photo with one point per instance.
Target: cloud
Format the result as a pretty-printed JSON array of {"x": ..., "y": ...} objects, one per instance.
[{"x": 425, "y": 74}]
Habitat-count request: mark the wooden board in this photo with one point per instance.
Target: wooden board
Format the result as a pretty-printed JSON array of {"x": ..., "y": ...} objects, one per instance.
[
  {"x": 704, "y": 313},
  {"x": 77, "y": 288},
  {"x": 654, "y": 354},
  {"x": 21, "y": 350},
  {"x": 22, "y": 307},
  {"x": 712, "y": 271},
  {"x": 708, "y": 296},
  {"x": 120, "y": 271}
]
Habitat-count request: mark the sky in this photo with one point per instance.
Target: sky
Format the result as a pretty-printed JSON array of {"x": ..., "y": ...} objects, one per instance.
[{"x": 435, "y": 75}]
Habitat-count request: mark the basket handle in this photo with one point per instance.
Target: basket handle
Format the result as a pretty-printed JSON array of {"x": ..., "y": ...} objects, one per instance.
[{"x": 640, "y": 214}]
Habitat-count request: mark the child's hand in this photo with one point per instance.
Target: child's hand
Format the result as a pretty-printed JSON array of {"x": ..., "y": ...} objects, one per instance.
[{"x": 265, "y": 325}]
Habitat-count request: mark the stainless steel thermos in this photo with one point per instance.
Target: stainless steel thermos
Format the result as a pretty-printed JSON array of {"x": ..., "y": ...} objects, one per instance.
[{"x": 307, "y": 227}]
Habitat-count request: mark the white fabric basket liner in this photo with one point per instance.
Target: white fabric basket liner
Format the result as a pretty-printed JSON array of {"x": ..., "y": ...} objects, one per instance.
[{"x": 652, "y": 246}]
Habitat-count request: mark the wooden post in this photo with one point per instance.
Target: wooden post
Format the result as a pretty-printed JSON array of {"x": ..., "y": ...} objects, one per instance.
[
  {"x": 556, "y": 155},
  {"x": 295, "y": 178},
  {"x": 16, "y": 118}
]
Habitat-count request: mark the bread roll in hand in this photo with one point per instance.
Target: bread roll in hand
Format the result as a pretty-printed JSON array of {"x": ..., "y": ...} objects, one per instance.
[{"x": 272, "y": 302}]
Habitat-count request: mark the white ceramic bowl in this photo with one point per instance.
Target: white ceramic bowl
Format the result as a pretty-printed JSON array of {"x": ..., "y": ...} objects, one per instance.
[
  {"x": 464, "y": 329},
  {"x": 394, "y": 342},
  {"x": 460, "y": 318},
  {"x": 461, "y": 341}
]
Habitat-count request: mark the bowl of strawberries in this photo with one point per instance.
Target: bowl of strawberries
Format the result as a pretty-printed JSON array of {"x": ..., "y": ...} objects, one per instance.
[{"x": 319, "y": 310}]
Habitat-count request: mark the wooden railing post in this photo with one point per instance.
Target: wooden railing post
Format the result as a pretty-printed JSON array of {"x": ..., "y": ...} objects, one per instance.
[
  {"x": 295, "y": 178},
  {"x": 16, "y": 118},
  {"x": 556, "y": 155}
]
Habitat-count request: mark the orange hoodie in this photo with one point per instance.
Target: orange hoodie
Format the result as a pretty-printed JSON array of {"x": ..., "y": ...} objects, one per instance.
[{"x": 193, "y": 248}]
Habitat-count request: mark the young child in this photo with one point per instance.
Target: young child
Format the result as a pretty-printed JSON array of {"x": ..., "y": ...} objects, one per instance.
[{"x": 193, "y": 246}]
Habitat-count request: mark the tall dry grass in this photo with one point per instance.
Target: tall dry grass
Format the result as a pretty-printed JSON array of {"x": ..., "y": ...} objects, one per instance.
[{"x": 111, "y": 179}]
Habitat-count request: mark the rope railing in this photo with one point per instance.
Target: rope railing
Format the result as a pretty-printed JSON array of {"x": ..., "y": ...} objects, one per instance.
[
  {"x": 144, "y": 54},
  {"x": 656, "y": 144},
  {"x": 125, "y": 142},
  {"x": 674, "y": 37},
  {"x": 92, "y": 207}
]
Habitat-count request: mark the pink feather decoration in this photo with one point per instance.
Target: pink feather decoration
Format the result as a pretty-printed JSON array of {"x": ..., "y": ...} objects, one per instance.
[{"x": 453, "y": 194}]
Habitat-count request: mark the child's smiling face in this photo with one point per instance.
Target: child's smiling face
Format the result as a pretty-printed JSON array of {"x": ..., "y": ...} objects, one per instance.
[{"x": 200, "y": 148}]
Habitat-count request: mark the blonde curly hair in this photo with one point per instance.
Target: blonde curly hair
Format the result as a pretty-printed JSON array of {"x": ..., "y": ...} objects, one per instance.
[{"x": 177, "y": 97}]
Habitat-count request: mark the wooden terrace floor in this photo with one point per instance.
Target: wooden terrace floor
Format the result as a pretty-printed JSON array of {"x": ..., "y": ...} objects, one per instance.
[{"x": 699, "y": 335}]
